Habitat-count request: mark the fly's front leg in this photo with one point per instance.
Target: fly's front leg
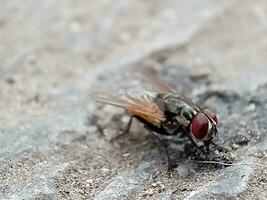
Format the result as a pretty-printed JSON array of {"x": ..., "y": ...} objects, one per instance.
[
  {"x": 220, "y": 148},
  {"x": 126, "y": 130},
  {"x": 207, "y": 146},
  {"x": 185, "y": 133},
  {"x": 195, "y": 144}
]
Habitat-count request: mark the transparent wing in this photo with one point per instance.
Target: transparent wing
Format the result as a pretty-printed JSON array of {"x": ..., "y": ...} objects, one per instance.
[
  {"x": 149, "y": 78},
  {"x": 148, "y": 110},
  {"x": 135, "y": 91}
]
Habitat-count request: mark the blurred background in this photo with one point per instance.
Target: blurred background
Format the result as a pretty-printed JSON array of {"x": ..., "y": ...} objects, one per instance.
[{"x": 53, "y": 52}]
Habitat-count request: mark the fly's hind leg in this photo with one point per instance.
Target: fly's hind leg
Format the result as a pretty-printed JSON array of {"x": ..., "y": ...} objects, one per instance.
[
  {"x": 125, "y": 131},
  {"x": 171, "y": 166}
]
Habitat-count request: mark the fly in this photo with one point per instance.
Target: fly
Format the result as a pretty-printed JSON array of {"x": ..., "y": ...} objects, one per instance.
[{"x": 162, "y": 110}]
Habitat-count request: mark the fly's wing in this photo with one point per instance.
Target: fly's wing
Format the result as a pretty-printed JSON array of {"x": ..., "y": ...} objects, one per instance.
[
  {"x": 146, "y": 109},
  {"x": 149, "y": 79},
  {"x": 135, "y": 91}
]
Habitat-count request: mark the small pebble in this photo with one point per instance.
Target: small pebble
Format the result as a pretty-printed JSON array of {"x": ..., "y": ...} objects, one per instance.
[
  {"x": 235, "y": 146},
  {"x": 126, "y": 154},
  {"x": 10, "y": 80},
  {"x": 148, "y": 192},
  {"x": 161, "y": 188},
  {"x": 90, "y": 181},
  {"x": 154, "y": 184},
  {"x": 105, "y": 170},
  {"x": 199, "y": 73},
  {"x": 75, "y": 27},
  {"x": 259, "y": 154},
  {"x": 216, "y": 152},
  {"x": 242, "y": 123},
  {"x": 250, "y": 108}
]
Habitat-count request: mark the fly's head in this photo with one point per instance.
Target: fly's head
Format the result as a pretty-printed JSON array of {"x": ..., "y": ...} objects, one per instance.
[
  {"x": 204, "y": 126},
  {"x": 182, "y": 112}
]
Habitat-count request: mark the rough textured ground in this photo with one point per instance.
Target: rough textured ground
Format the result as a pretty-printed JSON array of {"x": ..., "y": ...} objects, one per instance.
[{"x": 54, "y": 141}]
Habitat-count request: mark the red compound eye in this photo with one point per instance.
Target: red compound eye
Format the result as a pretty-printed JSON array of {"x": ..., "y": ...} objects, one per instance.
[
  {"x": 200, "y": 125},
  {"x": 211, "y": 114}
]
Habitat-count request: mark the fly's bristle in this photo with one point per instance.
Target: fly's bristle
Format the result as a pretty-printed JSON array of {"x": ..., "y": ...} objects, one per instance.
[{"x": 226, "y": 164}]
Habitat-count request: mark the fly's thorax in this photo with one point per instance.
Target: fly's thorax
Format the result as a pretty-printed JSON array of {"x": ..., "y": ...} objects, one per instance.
[{"x": 179, "y": 108}]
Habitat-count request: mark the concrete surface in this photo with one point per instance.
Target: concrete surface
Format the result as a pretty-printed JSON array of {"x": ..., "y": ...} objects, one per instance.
[{"x": 54, "y": 140}]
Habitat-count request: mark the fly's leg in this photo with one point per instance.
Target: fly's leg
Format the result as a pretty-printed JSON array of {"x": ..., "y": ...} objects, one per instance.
[
  {"x": 160, "y": 130},
  {"x": 197, "y": 146},
  {"x": 207, "y": 146},
  {"x": 170, "y": 165},
  {"x": 126, "y": 130},
  {"x": 185, "y": 133},
  {"x": 220, "y": 147}
]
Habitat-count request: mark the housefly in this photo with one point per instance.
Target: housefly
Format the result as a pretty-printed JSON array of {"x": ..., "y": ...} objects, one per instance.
[{"x": 161, "y": 109}]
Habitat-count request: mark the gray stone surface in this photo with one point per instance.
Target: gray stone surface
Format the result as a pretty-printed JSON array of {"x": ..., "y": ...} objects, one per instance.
[{"x": 54, "y": 140}]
